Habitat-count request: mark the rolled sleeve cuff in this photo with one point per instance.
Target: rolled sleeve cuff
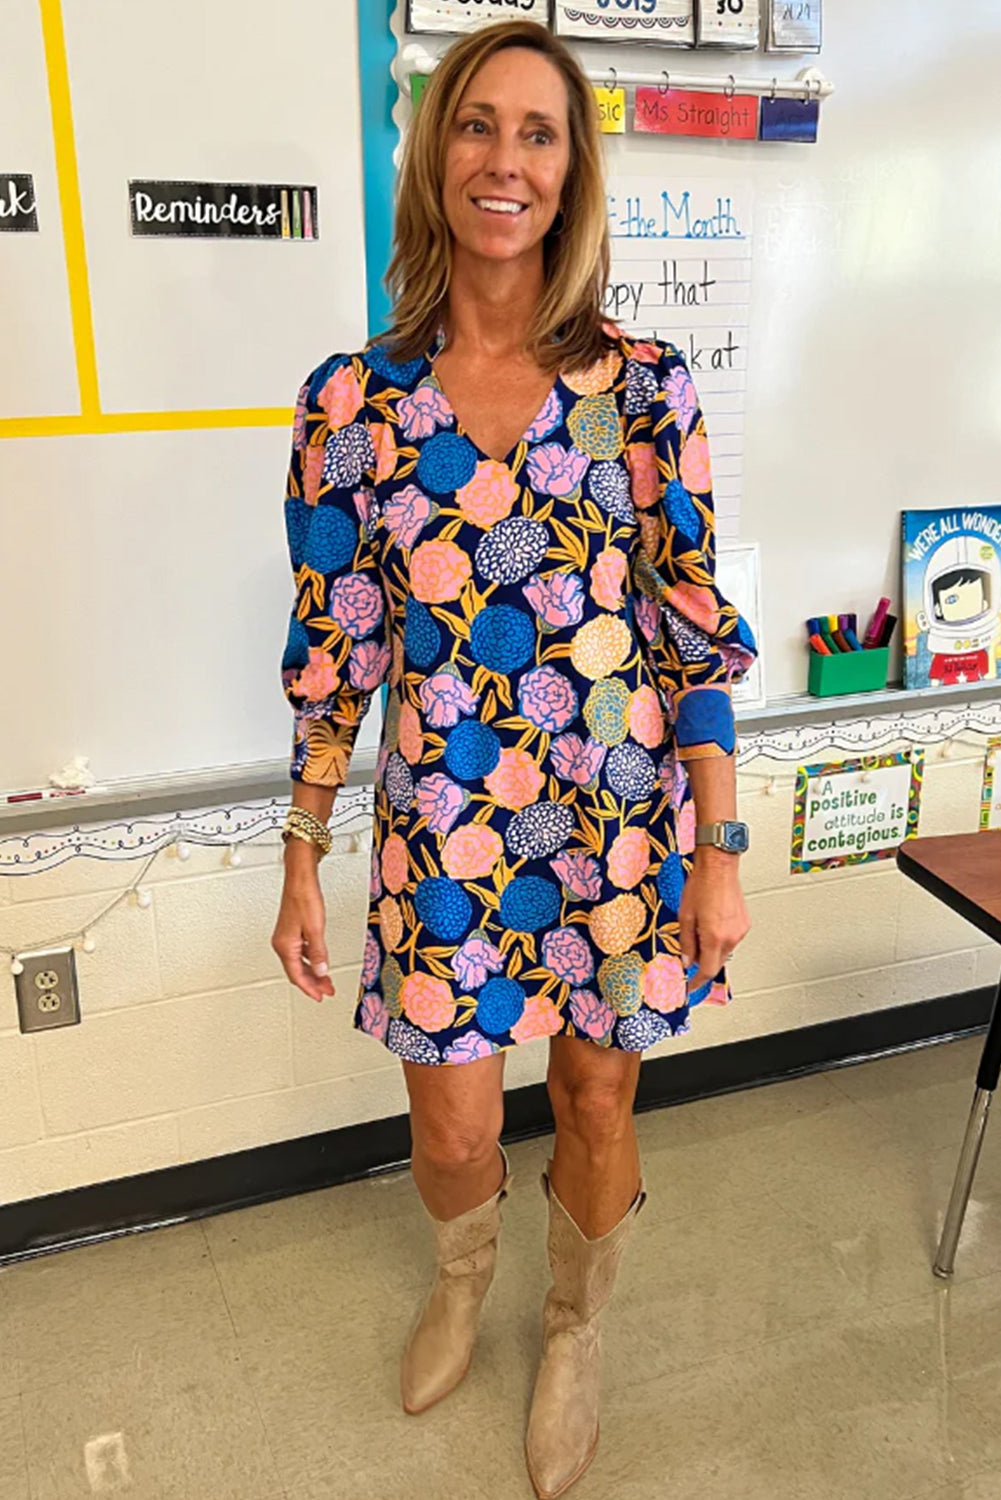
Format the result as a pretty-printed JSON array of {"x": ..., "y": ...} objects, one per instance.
[{"x": 704, "y": 723}]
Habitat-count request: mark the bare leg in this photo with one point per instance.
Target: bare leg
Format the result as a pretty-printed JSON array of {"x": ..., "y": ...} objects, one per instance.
[
  {"x": 596, "y": 1166},
  {"x": 456, "y": 1117}
]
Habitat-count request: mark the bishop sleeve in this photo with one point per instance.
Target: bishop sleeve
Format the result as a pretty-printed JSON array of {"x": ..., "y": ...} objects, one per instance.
[
  {"x": 338, "y": 649},
  {"x": 703, "y": 644}
]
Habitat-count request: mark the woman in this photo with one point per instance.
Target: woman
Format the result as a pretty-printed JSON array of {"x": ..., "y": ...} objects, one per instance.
[{"x": 503, "y": 511}]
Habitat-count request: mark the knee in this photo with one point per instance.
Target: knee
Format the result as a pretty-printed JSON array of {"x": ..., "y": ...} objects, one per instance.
[
  {"x": 451, "y": 1146},
  {"x": 595, "y": 1108}
]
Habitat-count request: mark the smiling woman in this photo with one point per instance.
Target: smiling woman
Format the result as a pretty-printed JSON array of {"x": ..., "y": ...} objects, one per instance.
[{"x": 503, "y": 511}]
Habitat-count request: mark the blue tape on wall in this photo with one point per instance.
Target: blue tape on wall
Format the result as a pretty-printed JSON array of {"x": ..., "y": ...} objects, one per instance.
[{"x": 376, "y": 45}]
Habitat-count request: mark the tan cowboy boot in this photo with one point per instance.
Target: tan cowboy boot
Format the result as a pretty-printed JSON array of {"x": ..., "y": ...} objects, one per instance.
[
  {"x": 563, "y": 1424},
  {"x": 440, "y": 1344}
]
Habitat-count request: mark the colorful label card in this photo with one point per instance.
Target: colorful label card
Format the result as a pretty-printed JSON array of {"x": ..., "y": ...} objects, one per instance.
[
  {"x": 611, "y": 110},
  {"x": 18, "y": 211},
  {"x": 789, "y": 119},
  {"x": 224, "y": 210},
  {"x": 695, "y": 112},
  {"x": 852, "y": 811}
]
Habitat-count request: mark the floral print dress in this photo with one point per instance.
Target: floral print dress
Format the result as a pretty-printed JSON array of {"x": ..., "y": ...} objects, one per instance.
[{"x": 555, "y": 648}]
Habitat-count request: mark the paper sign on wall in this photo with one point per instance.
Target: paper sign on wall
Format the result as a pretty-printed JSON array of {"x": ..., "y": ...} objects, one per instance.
[
  {"x": 224, "y": 210},
  {"x": 670, "y": 22},
  {"x": 611, "y": 110},
  {"x": 794, "y": 25},
  {"x": 18, "y": 211},
  {"x": 453, "y": 16},
  {"x": 729, "y": 23},
  {"x": 852, "y": 811},
  {"x": 789, "y": 119},
  {"x": 990, "y": 796},
  {"x": 695, "y": 112}
]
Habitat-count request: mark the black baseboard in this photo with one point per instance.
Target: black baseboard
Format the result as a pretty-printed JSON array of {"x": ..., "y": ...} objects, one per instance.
[{"x": 57, "y": 1221}]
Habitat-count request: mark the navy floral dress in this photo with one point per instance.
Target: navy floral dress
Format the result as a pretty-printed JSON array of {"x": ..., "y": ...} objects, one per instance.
[{"x": 555, "y": 648}]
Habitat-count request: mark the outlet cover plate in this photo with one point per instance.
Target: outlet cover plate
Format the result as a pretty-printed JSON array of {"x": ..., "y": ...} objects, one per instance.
[{"x": 47, "y": 995}]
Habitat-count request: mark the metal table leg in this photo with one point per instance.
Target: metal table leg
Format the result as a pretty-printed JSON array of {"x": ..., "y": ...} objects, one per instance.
[{"x": 987, "y": 1082}]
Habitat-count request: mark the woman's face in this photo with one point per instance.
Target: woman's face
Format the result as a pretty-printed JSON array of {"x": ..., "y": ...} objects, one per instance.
[{"x": 507, "y": 155}]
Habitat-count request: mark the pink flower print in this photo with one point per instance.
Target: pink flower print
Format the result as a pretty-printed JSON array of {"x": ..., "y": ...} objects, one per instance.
[
  {"x": 547, "y": 699},
  {"x": 719, "y": 994},
  {"x": 312, "y": 473},
  {"x": 318, "y": 680},
  {"x": 698, "y": 603},
  {"x": 645, "y": 476},
  {"x": 580, "y": 873},
  {"x": 440, "y": 801},
  {"x": 444, "y": 697},
  {"x": 647, "y": 354},
  {"x": 591, "y": 1015},
  {"x": 477, "y": 958},
  {"x": 471, "y": 852},
  {"x": 664, "y": 986},
  {"x": 646, "y": 718},
  {"x": 548, "y": 420},
  {"x": 427, "y": 1002},
  {"x": 381, "y": 762},
  {"x": 695, "y": 469},
  {"x": 356, "y": 604},
  {"x": 539, "y": 1018},
  {"x": 424, "y": 411},
  {"x": 439, "y": 571},
  {"x": 555, "y": 470},
  {"x": 686, "y": 828},
  {"x": 386, "y": 452},
  {"x": 608, "y": 574},
  {"x": 395, "y": 863},
  {"x": 515, "y": 781},
  {"x": 374, "y": 1016},
  {"x": 411, "y": 738},
  {"x": 368, "y": 665},
  {"x": 567, "y": 954},
  {"x": 468, "y": 1048},
  {"x": 374, "y": 876},
  {"x": 341, "y": 397},
  {"x": 577, "y": 760},
  {"x": 299, "y": 419},
  {"x": 681, "y": 397},
  {"x": 489, "y": 495},
  {"x": 406, "y": 514},
  {"x": 371, "y": 961},
  {"x": 366, "y": 509},
  {"x": 629, "y": 858},
  {"x": 647, "y": 617},
  {"x": 557, "y": 600}
]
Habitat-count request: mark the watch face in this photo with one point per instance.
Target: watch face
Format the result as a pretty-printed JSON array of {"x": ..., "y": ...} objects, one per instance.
[{"x": 736, "y": 837}]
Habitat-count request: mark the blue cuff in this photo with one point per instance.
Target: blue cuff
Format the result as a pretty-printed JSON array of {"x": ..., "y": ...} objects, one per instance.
[{"x": 704, "y": 723}]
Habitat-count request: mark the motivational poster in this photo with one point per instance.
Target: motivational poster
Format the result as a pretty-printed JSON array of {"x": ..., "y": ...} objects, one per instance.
[
  {"x": 454, "y": 16},
  {"x": 852, "y": 811},
  {"x": 794, "y": 25},
  {"x": 611, "y": 110},
  {"x": 696, "y": 112},
  {"x": 224, "y": 210},
  {"x": 789, "y": 119},
  {"x": 670, "y": 22},
  {"x": 17, "y": 202},
  {"x": 729, "y": 23},
  {"x": 990, "y": 795}
]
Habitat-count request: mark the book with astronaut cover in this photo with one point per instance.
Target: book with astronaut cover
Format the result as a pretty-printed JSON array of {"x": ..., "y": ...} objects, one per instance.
[{"x": 951, "y": 587}]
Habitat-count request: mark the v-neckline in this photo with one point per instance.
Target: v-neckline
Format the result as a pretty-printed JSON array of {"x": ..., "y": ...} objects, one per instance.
[{"x": 430, "y": 372}]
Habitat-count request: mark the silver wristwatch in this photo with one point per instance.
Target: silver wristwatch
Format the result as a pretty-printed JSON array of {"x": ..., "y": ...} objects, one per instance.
[{"x": 728, "y": 835}]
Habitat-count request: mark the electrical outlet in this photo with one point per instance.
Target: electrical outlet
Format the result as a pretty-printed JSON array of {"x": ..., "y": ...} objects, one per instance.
[{"x": 47, "y": 994}]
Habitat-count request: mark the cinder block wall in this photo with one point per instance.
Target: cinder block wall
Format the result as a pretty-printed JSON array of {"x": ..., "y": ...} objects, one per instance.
[{"x": 193, "y": 1044}]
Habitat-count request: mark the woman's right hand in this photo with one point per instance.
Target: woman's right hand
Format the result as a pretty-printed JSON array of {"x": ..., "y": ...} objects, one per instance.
[{"x": 299, "y": 936}]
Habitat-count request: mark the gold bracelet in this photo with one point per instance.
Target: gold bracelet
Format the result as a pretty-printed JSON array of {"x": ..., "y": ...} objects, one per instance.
[{"x": 300, "y": 823}]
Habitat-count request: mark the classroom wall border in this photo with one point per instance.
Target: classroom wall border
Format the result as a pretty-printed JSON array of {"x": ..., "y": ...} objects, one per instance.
[{"x": 194, "y": 1190}]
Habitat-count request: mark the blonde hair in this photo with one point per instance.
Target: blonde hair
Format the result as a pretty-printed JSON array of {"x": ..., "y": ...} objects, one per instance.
[{"x": 567, "y": 330}]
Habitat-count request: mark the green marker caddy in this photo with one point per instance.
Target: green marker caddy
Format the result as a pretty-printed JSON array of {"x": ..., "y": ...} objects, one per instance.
[{"x": 848, "y": 672}]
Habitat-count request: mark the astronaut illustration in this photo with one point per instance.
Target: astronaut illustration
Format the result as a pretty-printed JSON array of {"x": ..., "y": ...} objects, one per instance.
[{"x": 962, "y": 610}]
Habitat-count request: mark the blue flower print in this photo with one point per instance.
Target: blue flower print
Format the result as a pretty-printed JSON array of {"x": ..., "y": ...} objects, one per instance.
[
  {"x": 670, "y": 883},
  {"x": 641, "y": 387},
  {"x": 680, "y": 510},
  {"x": 619, "y": 979},
  {"x": 501, "y": 638},
  {"x": 528, "y": 903},
  {"x": 642, "y": 1030},
  {"x": 406, "y": 1041},
  {"x": 512, "y": 550},
  {"x": 296, "y": 646},
  {"x": 297, "y": 518},
  {"x": 447, "y": 462},
  {"x": 540, "y": 830},
  {"x": 631, "y": 773},
  {"x": 421, "y": 635},
  {"x": 443, "y": 906},
  {"x": 377, "y": 358},
  {"x": 500, "y": 1003},
  {"x": 347, "y": 454},
  {"x": 332, "y": 539},
  {"x": 472, "y": 750},
  {"x": 399, "y": 783},
  {"x": 610, "y": 488}
]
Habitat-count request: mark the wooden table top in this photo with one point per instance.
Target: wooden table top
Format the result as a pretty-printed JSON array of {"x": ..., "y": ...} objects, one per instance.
[{"x": 961, "y": 869}]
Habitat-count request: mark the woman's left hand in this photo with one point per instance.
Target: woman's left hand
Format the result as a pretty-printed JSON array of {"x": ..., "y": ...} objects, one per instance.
[{"x": 712, "y": 918}]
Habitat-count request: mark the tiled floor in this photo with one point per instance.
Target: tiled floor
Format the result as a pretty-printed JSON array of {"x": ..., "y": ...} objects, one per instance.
[{"x": 776, "y": 1334}]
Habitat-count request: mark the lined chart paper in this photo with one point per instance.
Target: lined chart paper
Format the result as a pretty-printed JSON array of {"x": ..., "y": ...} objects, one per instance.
[{"x": 681, "y": 271}]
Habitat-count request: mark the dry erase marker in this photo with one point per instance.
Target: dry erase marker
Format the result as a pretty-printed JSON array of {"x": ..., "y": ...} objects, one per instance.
[
  {"x": 848, "y": 631},
  {"x": 307, "y": 214},
  {"x": 888, "y": 623},
  {"x": 296, "y": 216},
  {"x": 876, "y": 625},
  {"x": 819, "y": 645},
  {"x": 834, "y": 631},
  {"x": 286, "y": 227}
]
